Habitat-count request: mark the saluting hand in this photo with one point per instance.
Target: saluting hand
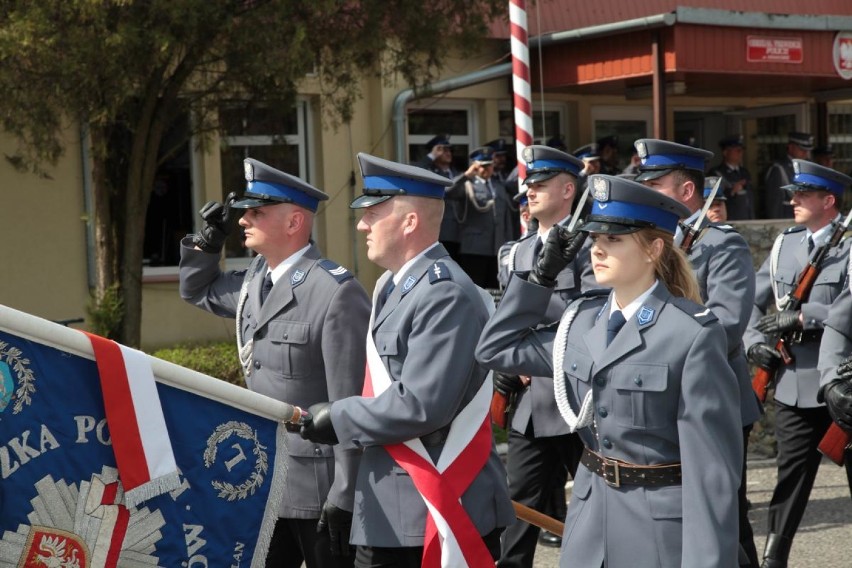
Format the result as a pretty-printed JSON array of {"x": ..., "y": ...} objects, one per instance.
[
  {"x": 216, "y": 227},
  {"x": 778, "y": 323},
  {"x": 560, "y": 248}
]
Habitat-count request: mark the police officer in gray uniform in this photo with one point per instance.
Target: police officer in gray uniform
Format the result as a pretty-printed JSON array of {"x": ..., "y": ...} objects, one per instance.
[
  {"x": 800, "y": 419},
  {"x": 427, "y": 317},
  {"x": 301, "y": 322},
  {"x": 641, "y": 376},
  {"x": 541, "y": 449},
  {"x": 780, "y": 174},
  {"x": 722, "y": 263}
]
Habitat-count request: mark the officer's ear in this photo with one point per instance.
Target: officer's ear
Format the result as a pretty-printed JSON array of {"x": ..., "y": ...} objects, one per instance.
[
  {"x": 830, "y": 201},
  {"x": 295, "y": 221},
  {"x": 688, "y": 190}
]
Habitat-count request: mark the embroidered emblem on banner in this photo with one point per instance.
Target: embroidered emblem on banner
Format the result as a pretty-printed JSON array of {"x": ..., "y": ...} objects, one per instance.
[
  {"x": 645, "y": 315},
  {"x": 408, "y": 284},
  {"x": 297, "y": 277},
  {"x": 14, "y": 366},
  {"x": 242, "y": 430},
  {"x": 77, "y": 508}
]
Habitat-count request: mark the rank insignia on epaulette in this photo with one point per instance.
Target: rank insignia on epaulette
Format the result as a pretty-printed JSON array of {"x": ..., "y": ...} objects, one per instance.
[
  {"x": 439, "y": 272},
  {"x": 338, "y": 272},
  {"x": 297, "y": 277},
  {"x": 409, "y": 283},
  {"x": 645, "y": 315}
]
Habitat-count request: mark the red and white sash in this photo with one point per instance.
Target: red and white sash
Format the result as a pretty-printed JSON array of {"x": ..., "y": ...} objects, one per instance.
[{"x": 451, "y": 538}]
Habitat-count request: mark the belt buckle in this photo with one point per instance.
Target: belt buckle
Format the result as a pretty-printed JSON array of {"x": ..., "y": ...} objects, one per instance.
[
  {"x": 797, "y": 336},
  {"x": 616, "y": 473}
]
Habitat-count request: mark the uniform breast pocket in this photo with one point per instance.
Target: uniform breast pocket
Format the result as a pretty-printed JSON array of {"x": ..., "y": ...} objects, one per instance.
[
  {"x": 828, "y": 285},
  {"x": 387, "y": 344},
  {"x": 785, "y": 280},
  {"x": 640, "y": 396},
  {"x": 290, "y": 339}
]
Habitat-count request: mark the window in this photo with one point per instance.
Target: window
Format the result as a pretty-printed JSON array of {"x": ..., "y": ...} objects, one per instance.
[
  {"x": 427, "y": 119},
  {"x": 626, "y": 122},
  {"x": 547, "y": 124},
  {"x": 255, "y": 132}
]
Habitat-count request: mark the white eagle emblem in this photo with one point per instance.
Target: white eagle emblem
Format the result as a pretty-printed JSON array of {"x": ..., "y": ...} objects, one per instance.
[
  {"x": 600, "y": 189},
  {"x": 249, "y": 170}
]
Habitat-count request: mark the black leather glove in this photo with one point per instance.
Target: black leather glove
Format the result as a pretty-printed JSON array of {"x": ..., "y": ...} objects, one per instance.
[
  {"x": 318, "y": 428},
  {"x": 844, "y": 369},
  {"x": 764, "y": 355},
  {"x": 838, "y": 400},
  {"x": 507, "y": 384},
  {"x": 558, "y": 250},
  {"x": 778, "y": 323},
  {"x": 338, "y": 523},
  {"x": 216, "y": 227}
]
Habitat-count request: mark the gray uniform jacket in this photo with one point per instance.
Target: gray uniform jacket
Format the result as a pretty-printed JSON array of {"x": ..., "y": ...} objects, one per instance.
[
  {"x": 485, "y": 219},
  {"x": 663, "y": 393},
  {"x": 536, "y": 402},
  {"x": 425, "y": 334},
  {"x": 308, "y": 348},
  {"x": 797, "y": 384},
  {"x": 836, "y": 342},
  {"x": 721, "y": 261}
]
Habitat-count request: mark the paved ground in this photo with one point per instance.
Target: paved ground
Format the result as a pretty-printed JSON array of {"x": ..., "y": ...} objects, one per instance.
[{"x": 825, "y": 536}]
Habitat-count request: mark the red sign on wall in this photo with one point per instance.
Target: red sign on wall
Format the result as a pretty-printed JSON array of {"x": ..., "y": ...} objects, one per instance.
[
  {"x": 765, "y": 49},
  {"x": 843, "y": 54}
]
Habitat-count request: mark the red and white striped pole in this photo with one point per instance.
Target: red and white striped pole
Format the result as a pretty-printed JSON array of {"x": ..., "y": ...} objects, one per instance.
[{"x": 521, "y": 81}]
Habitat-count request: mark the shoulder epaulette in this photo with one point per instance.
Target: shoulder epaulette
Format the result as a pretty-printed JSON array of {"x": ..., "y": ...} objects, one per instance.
[
  {"x": 338, "y": 272},
  {"x": 795, "y": 229},
  {"x": 595, "y": 292},
  {"x": 439, "y": 272},
  {"x": 725, "y": 228},
  {"x": 699, "y": 313}
]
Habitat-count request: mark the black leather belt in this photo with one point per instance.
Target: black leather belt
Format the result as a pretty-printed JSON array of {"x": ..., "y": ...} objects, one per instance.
[
  {"x": 808, "y": 336},
  {"x": 617, "y": 473},
  {"x": 436, "y": 438}
]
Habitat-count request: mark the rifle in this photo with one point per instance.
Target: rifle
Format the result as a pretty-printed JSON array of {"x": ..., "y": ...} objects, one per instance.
[
  {"x": 763, "y": 378},
  {"x": 834, "y": 443},
  {"x": 500, "y": 402},
  {"x": 691, "y": 233}
]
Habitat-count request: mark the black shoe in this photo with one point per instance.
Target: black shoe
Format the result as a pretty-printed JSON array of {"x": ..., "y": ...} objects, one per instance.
[{"x": 549, "y": 539}]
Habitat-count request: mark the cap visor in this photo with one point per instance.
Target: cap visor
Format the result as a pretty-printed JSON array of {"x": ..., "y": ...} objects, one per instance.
[
  {"x": 651, "y": 174},
  {"x": 608, "y": 228},
  {"x": 368, "y": 201},
  {"x": 252, "y": 202},
  {"x": 539, "y": 176}
]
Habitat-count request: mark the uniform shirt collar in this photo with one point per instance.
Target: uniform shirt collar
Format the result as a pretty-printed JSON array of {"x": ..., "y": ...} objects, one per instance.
[
  {"x": 630, "y": 309},
  {"x": 287, "y": 263},
  {"x": 820, "y": 236},
  {"x": 543, "y": 236},
  {"x": 407, "y": 266}
]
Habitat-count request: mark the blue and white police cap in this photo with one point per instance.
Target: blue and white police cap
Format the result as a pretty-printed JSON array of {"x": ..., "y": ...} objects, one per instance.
[
  {"x": 439, "y": 140},
  {"x": 588, "y": 152},
  {"x": 484, "y": 155},
  {"x": 710, "y": 182},
  {"x": 803, "y": 140},
  {"x": 268, "y": 186},
  {"x": 623, "y": 206},
  {"x": 660, "y": 157},
  {"x": 544, "y": 162},
  {"x": 521, "y": 198},
  {"x": 384, "y": 179},
  {"x": 733, "y": 141},
  {"x": 814, "y": 177}
]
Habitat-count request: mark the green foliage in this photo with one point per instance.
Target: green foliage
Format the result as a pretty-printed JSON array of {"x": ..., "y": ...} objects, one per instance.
[
  {"x": 105, "y": 311},
  {"x": 218, "y": 360}
]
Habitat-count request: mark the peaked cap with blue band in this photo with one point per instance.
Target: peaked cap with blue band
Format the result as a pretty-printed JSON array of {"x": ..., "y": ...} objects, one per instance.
[
  {"x": 484, "y": 155},
  {"x": 710, "y": 182},
  {"x": 660, "y": 157},
  {"x": 623, "y": 206},
  {"x": 544, "y": 162},
  {"x": 814, "y": 177},
  {"x": 384, "y": 179},
  {"x": 588, "y": 152},
  {"x": 268, "y": 186}
]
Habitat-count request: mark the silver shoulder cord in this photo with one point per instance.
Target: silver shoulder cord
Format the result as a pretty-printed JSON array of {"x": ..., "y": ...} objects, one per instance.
[
  {"x": 560, "y": 343},
  {"x": 774, "y": 256},
  {"x": 245, "y": 350}
]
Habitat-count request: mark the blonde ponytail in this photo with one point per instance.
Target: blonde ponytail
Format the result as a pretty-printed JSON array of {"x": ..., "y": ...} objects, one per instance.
[{"x": 672, "y": 267}]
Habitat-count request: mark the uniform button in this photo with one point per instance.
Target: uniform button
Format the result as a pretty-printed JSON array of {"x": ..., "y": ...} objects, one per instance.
[
  {"x": 606, "y": 443},
  {"x": 573, "y": 366},
  {"x": 600, "y": 381},
  {"x": 257, "y": 364},
  {"x": 317, "y": 451},
  {"x": 254, "y": 325},
  {"x": 286, "y": 335},
  {"x": 602, "y": 412},
  {"x": 638, "y": 381}
]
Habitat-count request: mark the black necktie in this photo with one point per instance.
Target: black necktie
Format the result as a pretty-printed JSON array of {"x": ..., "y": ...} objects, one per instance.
[
  {"x": 539, "y": 242},
  {"x": 266, "y": 288},
  {"x": 385, "y": 295},
  {"x": 615, "y": 323},
  {"x": 810, "y": 246}
]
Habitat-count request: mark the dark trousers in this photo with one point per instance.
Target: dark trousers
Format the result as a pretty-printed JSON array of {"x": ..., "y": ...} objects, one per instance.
[
  {"x": 410, "y": 557},
  {"x": 798, "y": 431},
  {"x": 535, "y": 467},
  {"x": 296, "y": 540},
  {"x": 481, "y": 269},
  {"x": 746, "y": 534}
]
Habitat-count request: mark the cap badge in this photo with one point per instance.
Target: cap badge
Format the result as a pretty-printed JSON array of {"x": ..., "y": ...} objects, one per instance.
[
  {"x": 645, "y": 315},
  {"x": 297, "y": 277},
  {"x": 797, "y": 168},
  {"x": 409, "y": 283},
  {"x": 249, "y": 169},
  {"x": 641, "y": 150},
  {"x": 528, "y": 154},
  {"x": 601, "y": 189}
]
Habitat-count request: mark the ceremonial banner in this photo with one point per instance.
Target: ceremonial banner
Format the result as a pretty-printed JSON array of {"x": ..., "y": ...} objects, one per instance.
[{"x": 62, "y": 501}]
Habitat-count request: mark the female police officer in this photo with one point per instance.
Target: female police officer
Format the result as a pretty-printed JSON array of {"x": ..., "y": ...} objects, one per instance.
[{"x": 653, "y": 399}]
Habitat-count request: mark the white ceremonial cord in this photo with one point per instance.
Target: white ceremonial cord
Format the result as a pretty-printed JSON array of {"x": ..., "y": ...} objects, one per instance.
[
  {"x": 560, "y": 343},
  {"x": 774, "y": 256},
  {"x": 513, "y": 251}
]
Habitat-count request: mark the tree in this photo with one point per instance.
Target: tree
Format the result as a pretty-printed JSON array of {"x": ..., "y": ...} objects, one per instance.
[{"x": 126, "y": 71}]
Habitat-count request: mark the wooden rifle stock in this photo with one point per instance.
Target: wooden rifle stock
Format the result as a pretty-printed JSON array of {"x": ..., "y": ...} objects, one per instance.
[
  {"x": 763, "y": 379},
  {"x": 834, "y": 443},
  {"x": 499, "y": 404}
]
